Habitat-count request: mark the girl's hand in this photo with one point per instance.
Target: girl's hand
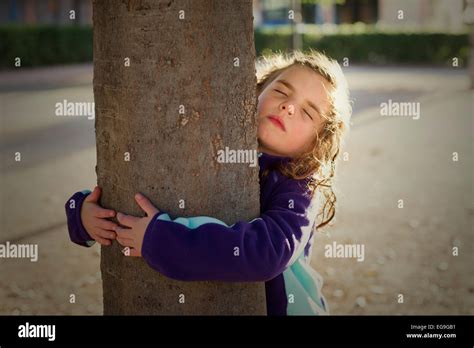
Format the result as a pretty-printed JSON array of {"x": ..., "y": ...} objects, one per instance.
[
  {"x": 132, "y": 237},
  {"x": 93, "y": 218}
]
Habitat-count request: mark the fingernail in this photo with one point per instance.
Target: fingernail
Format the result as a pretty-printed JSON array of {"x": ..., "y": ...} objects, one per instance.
[
  {"x": 119, "y": 215},
  {"x": 138, "y": 196}
]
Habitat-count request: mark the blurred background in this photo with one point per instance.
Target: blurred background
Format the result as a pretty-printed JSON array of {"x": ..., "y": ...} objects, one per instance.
[{"x": 404, "y": 185}]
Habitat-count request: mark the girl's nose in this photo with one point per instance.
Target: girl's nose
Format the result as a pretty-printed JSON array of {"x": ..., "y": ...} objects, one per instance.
[{"x": 290, "y": 108}]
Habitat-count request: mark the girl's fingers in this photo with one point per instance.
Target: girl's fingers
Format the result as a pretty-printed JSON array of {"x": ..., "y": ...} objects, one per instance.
[
  {"x": 106, "y": 224},
  {"x": 103, "y": 213},
  {"x": 124, "y": 232},
  {"x": 94, "y": 195},
  {"x": 134, "y": 252},
  {"x": 119, "y": 229},
  {"x": 127, "y": 220},
  {"x": 125, "y": 242},
  {"x": 102, "y": 241},
  {"x": 105, "y": 233},
  {"x": 145, "y": 204}
]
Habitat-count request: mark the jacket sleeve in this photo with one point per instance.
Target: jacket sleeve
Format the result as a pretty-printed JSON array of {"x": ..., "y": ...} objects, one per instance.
[
  {"x": 204, "y": 248},
  {"x": 77, "y": 232}
]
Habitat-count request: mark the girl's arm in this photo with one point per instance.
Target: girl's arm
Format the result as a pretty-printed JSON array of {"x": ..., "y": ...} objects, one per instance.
[
  {"x": 77, "y": 232},
  {"x": 203, "y": 248}
]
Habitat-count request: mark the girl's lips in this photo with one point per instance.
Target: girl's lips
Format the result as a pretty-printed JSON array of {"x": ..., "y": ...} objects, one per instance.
[{"x": 278, "y": 122}]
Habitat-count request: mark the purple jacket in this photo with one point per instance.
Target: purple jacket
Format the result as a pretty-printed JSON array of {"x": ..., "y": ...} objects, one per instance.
[{"x": 274, "y": 248}]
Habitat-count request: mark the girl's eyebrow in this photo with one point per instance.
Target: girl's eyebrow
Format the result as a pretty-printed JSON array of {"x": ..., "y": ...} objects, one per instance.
[{"x": 290, "y": 86}]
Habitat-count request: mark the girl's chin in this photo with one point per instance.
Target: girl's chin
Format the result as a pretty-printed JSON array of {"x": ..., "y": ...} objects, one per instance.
[
  {"x": 267, "y": 148},
  {"x": 268, "y": 133}
]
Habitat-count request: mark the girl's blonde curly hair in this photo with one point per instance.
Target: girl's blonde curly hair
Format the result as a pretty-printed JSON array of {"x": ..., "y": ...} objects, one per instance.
[{"x": 316, "y": 166}]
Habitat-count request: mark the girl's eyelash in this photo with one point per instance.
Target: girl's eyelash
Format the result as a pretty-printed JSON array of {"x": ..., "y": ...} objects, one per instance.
[
  {"x": 308, "y": 114},
  {"x": 279, "y": 91}
]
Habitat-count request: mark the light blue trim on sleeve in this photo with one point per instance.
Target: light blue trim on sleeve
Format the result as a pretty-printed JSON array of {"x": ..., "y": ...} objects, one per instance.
[
  {"x": 192, "y": 222},
  {"x": 86, "y": 192}
]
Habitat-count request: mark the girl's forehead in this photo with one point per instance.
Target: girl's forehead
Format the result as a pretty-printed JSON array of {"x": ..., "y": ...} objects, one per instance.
[
  {"x": 308, "y": 84},
  {"x": 302, "y": 75}
]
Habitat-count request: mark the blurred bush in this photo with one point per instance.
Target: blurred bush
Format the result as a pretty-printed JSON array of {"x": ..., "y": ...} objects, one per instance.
[
  {"x": 366, "y": 44},
  {"x": 44, "y": 45}
]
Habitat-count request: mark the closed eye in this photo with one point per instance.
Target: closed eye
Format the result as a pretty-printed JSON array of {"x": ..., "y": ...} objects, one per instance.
[
  {"x": 276, "y": 90},
  {"x": 308, "y": 114}
]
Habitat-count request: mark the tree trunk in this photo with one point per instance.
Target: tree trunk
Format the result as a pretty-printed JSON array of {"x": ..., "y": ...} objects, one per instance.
[{"x": 174, "y": 83}]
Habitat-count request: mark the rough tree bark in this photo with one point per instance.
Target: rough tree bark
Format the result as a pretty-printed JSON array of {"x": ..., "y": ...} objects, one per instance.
[{"x": 174, "y": 82}]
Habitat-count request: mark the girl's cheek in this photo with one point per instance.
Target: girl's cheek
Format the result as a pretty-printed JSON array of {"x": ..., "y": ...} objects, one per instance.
[
  {"x": 259, "y": 109},
  {"x": 301, "y": 133},
  {"x": 263, "y": 102}
]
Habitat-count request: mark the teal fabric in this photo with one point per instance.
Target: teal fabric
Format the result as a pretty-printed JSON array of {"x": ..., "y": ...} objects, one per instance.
[
  {"x": 192, "y": 222},
  {"x": 303, "y": 289}
]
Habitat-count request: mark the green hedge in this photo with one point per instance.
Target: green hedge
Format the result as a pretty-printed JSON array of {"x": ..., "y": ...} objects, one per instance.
[
  {"x": 376, "y": 47},
  {"x": 47, "y": 45},
  {"x": 44, "y": 45}
]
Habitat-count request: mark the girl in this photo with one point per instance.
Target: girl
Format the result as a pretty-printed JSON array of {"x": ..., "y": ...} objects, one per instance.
[{"x": 303, "y": 112}]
